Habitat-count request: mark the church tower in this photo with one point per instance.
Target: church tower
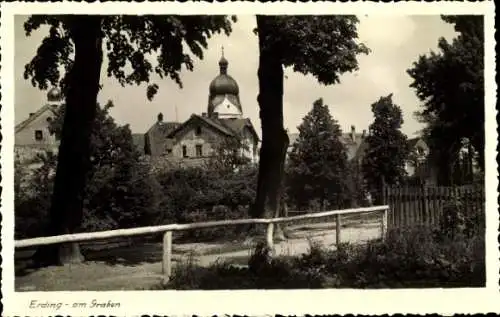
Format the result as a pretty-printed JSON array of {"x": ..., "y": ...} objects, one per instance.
[{"x": 224, "y": 99}]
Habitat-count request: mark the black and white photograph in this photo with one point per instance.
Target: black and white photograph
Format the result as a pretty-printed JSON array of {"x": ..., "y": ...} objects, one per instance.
[{"x": 247, "y": 151}]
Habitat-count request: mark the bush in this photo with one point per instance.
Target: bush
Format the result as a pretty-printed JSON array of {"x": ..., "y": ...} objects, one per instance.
[
  {"x": 196, "y": 194},
  {"x": 33, "y": 192},
  {"x": 410, "y": 258},
  {"x": 120, "y": 197},
  {"x": 119, "y": 192},
  {"x": 263, "y": 272}
]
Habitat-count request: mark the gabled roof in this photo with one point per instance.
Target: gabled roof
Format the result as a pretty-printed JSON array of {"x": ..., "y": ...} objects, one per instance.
[
  {"x": 238, "y": 125},
  {"x": 214, "y": 123},
  {"x": 164, "y": 127},
  {"x": 38, "y": 113}
]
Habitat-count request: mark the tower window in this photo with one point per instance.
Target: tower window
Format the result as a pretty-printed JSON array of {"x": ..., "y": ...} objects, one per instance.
[
  {"x": 198, "y": 131},
  {"x": 38, "y": 135},
  {"x": 184, "y": 151},
  {"x": 199, "y": 151}
]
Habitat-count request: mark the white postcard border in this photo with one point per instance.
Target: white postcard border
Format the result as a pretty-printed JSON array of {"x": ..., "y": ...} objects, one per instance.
[{"x": 253, "y": 302}]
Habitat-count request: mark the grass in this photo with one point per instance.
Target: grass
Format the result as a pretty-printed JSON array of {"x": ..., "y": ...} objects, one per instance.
[{"x": 410, "y": 258}]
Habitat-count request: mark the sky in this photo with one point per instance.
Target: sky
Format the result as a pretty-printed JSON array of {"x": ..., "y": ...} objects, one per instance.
[{"x": 395, "y": 42}]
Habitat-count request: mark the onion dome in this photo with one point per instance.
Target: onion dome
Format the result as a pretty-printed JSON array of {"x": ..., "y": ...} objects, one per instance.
[
  {"x": 54, "y": 95},
  {"x": 224, "y": 88},
  {"x": 223, "y": 84}
]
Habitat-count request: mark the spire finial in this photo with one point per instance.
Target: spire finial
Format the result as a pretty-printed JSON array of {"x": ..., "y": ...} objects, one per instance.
[{"x": 223, "y": 62}]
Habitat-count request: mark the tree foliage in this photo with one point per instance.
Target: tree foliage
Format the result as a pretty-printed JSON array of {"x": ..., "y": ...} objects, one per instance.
[
  {"x": 450, "y": 84},
  {"x": 387, "y": 147},
  {"x": 119, "y": 192},
  {"x": 75, "y": 43},
  {"x": 229, "y": 154},
  {"x": 318, "y": 167},
  {"x": 324, "y": 46},
  {"x": 131, "y": 42}
]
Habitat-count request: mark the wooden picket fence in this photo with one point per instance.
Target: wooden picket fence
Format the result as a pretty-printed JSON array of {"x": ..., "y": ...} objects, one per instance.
[{"x": 423, "y": 205}]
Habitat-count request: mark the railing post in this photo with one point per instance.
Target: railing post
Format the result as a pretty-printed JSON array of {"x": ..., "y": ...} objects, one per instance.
[
  {"x": 338, "y": 225},
  {"x": 269, "y": 235},
  {"x": 167, "y": 256},
  {"x": 384, "y": 224}
]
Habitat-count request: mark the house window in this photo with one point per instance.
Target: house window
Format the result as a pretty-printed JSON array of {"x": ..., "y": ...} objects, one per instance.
[
  {"x": 198, "y": 131},
  {"x": 184, "y": 151},
  {"x": 38, "y": 135},
  {"x": 199, "y": 150}
]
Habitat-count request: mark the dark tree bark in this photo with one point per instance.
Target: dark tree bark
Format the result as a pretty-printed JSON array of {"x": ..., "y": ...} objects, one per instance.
[
  {"x": 66, "y": 210},
  {"x": 274, "y": 137}
]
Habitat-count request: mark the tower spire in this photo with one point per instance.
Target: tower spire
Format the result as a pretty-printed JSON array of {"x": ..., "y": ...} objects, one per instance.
[{"x": 223, "y": 62}]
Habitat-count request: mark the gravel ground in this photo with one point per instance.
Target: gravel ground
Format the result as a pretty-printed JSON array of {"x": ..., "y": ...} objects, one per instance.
[{"x": 140, "y": 268}]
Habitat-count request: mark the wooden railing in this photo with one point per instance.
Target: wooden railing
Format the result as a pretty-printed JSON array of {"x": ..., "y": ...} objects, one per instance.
[{"x": 168, "y": 229}]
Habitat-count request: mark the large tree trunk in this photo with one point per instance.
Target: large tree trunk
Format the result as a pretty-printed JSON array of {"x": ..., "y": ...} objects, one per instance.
[
  {"x": 74, "y": 151},
  {"x": 274, "y": 137}
]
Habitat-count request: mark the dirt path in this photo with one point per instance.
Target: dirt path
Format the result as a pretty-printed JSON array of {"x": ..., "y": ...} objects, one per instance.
[{"x": 118, "y": 273}]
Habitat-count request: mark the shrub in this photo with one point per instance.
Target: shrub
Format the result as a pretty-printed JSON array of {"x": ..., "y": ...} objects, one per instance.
[
  {"x": 417, "y": 257},
  {"x": 121, "y": 198},
  {"x": 119, "y": 192},
  {"x": 32, "y": 191},
  {"x": 263, "y": 272},
  {"x": 196, "y": 194},
  {"x": 114, "y": 198},
  {"x": 452, "y": 220}
]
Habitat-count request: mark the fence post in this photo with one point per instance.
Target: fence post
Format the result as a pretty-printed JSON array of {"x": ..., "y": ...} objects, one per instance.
[
  {"x": 269, "y": 236},
  {"x": 384, "y": 224},
  {"x": 167, "y": 256},
  {"x": 338, "y": 224},
  {"x": 425, "y": 208}
]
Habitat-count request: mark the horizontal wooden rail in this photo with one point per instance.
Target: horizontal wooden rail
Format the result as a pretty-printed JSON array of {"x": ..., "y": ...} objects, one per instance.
[
  {"x": 100, "y": 235},
  {"x": 167, "y": 230}
]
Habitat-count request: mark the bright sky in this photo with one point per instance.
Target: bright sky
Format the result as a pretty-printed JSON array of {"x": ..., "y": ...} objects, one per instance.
[{"x": 395, "y": 41}]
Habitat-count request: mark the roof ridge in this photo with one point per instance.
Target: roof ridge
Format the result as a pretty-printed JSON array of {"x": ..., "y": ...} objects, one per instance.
[{"x": 32, "y": 117}]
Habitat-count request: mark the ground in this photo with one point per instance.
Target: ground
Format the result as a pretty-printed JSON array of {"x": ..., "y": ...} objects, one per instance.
[{"x": 139, "y": 266}]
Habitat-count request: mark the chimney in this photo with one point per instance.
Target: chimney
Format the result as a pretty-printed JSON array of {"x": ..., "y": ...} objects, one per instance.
[
  {"x": 353, "y": 132},
  {"x": 215, "y": 115},
  {"x": 160, "y": 117},
  {"x": 364, "y": 134},
  {"x": 32, "y": 114},
  {"x": 204, "y": 114}
]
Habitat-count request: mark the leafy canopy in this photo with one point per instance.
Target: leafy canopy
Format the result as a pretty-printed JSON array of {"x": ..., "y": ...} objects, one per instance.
[
  {"x": 387, "y": 147},
  {"x": 131, "y": 43},
  {"x": 450, "y": 84},
  {"x": 119, "y": 191},
  {"x": 325, "y": 46},
  {"x": 318, "y": 168}
]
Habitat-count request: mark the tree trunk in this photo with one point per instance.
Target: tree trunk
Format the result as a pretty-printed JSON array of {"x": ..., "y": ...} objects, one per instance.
[
  {"x": 66, "y": 210},
  {"x": 274, "y": 137}
]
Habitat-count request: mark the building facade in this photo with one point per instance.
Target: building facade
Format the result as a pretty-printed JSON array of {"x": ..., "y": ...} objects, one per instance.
[
  {"x": 199, "y": 137},
  {"x": 32, "y": 136},
  {"x": 353, "y": 141}
]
